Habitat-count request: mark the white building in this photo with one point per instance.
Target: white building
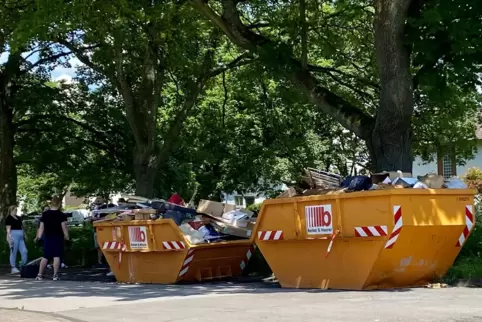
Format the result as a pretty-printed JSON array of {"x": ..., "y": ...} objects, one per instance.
[
  {"x": 247, "y": 199},
  {"x": 446, "y": 165}
]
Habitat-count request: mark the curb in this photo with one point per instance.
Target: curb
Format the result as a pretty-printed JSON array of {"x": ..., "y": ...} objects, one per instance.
[{"x": 47, "y": 315}]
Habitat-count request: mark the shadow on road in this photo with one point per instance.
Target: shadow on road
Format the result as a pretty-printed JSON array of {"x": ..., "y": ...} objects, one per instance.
[{"x": 16, "y": 288}]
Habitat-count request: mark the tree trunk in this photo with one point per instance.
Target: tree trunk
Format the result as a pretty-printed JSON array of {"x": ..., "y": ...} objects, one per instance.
[
  {"x": 8, "y": 170},
  {"x": 146, "y": 167},
  {"x": 391, "y": 140}
]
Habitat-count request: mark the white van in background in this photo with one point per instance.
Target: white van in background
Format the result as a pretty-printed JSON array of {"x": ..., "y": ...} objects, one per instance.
[{"x": 76, "y": 217}]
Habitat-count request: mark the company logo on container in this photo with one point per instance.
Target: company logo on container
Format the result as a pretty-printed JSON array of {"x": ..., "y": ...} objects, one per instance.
[
  {"x": 137, "y": 234},
  {"x": 138, "y": 237},
  {"x": 319, "y": 220}
]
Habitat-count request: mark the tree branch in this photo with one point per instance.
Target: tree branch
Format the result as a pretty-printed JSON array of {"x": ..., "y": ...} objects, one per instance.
[
  {"x": 80, "y": 54},
  {"x": 304, "y": 35},
  {"x": 329, "y": 70},
  {"x": 33, "y": 52},
  {"x": 12, "y": 66},
  {"x": 193, "y": 91},
  {"x": 225, "y": 100},
  {"x": 103, "y": 144},
  {"x": 238, "y": 62},
  {"x": 348, "y": 115},
  {"x": 125, "y": 91},
  {"x": 257, "y": 25},
  {"x": 39, "y": 117},
  {"x": 45, "y": 61}
]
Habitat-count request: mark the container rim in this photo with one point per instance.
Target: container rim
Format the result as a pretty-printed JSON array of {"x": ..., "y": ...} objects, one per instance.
[{"x": 376, "y": 193}]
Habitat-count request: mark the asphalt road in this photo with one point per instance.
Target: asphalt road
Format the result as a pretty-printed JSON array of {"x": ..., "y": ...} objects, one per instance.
[{"x": 63, "y": 301}]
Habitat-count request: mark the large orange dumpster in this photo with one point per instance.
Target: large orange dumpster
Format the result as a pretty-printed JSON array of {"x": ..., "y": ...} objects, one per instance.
[
  {"x": 365, "y": 240},
  {"x": 156, "y": 251}
]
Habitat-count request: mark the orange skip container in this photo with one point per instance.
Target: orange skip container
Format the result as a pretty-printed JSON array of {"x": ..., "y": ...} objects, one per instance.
[
  {"x": 365, "y": 240},
  {"x": 156, "y": 251}
]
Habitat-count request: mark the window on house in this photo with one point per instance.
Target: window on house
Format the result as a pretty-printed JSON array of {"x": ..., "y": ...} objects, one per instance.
[
  {"x": 239, "y": 201},
  {"x": 447, "y": 166},
  {"x": 249, "y": 201}
]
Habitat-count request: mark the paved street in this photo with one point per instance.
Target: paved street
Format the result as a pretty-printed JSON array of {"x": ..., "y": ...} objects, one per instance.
[{"x": 94, "y": 302}]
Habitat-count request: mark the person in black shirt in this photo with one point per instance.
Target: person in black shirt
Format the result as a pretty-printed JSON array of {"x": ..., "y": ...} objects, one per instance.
[
  {"x": 15, "y": 238},
  {"x": 53, "y": 228},
  {"x": 62, "y": 264}
]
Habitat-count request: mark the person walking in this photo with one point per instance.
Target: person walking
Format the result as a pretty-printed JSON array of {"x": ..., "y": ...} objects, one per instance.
[
  {"x": 15, "y": 238},
  {"x": 49, "y": 266},
  {"x": 53, "y": 227}
]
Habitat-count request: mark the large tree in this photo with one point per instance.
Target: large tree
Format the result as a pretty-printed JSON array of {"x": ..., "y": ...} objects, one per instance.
[
  {"x": 73, "y": 139},
  {"x": 24, "y": 72},
  {"x": 143, "y": 49},
  {"x": 361, "y": 62}
]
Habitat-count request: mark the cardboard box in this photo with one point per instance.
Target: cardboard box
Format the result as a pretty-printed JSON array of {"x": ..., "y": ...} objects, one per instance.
[
  {"x": 234, "y": 216},
  {"x": 228, "y": 229},
  {"x": 214, "y": 208},
  {"x": 289, "y": 193},
  {"x": 146, "y": 211},
  {"x": 126, "y": 217},
  {"x": 243, "y": 228},
  {"x": 242, "y": 222},
  {"x": 141, "y": 216}
]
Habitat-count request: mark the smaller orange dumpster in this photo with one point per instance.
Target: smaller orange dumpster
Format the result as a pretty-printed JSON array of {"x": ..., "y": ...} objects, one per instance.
[
  {"x": 156, "y": 251},
  {"x": 365, "y": 240}
]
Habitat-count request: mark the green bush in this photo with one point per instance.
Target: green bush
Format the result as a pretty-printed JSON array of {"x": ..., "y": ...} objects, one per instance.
[
  {"x": 258, "y": 266},
  {"x": 473, "y": 179},
  {"x": 81, "y": 252},
  {"x": 255, "y": 207},
  {"x": 468, "y": 264},
  {"x": 465, "y": 268}
]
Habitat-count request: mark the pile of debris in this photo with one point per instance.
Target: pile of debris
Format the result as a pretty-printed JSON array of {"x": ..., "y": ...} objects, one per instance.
[
  {"x": 317, "y": 182},
  {"x": 210, "y": 222}
]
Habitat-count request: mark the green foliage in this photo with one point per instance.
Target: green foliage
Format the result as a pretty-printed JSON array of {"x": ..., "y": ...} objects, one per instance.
[
  {"x": 65, "y": 145},
  {"x": 473, "y": 178},
  {"x": 255, "y": 207},
  {"x": 80, "y": 253},
  {"x": 340, "y": 51},
  {"x": 249, "y": 127},
  {"x": 465, "y": 269},
  {"x": 257, "y": 266},
  {"x": 468, "y": 264}
]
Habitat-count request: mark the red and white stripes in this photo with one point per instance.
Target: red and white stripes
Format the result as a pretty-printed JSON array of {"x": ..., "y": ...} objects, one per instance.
[
  {"x": 173, "y": 245},
  {"x": 371, "y": 231},
  {"x": 246, "y": 259},
  {"x": 469, "y": 224},
  {"x": 187, "y": 263},
  {"x": 114, "y": 246},
  {"x": 270, "y": 235},
  {"x": 397, "y": 228},
  {"x": 328, "y": 250}
]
